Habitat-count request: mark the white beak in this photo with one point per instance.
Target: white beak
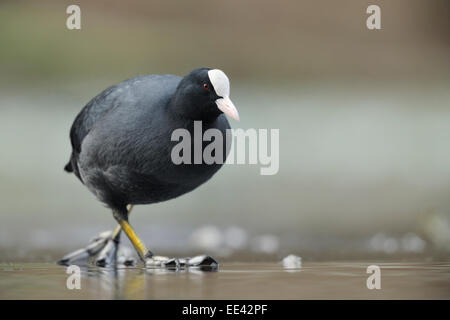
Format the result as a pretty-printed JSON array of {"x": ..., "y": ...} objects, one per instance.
[{"x": 226, "y": 106}]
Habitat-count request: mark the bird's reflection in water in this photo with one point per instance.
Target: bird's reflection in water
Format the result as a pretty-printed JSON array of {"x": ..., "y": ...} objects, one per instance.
[{"x": 138, "y": 283}]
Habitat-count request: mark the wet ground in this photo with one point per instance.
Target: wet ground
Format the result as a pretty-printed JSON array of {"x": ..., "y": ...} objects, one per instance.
[{"x": 320, "y": 280}]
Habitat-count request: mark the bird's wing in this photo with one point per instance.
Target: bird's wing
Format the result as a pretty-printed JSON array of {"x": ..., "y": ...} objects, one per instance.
[
  {"x": 95, "y": 110},
  {"x": 90, "y": 114},
  {"x": 143, "y": 92},
  {"x": 119, "y": 95}
]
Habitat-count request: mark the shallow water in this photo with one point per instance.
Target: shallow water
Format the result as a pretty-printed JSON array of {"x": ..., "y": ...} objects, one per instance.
[{"x": 324, "y": 280}]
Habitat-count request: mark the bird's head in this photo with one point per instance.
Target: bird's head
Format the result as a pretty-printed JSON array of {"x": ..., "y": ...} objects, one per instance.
[{"x": 204, "y": 94}]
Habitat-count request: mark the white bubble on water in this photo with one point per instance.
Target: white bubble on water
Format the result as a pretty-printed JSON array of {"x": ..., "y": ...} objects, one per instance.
[{"x": 292, "y": 262}]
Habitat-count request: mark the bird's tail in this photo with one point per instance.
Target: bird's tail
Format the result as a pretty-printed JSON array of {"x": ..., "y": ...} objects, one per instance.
[{"x": 68, "y": 167}]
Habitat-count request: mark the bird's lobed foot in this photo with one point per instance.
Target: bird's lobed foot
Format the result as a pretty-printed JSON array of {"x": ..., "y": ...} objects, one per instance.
[
  {"x": 203, "y": 261},
  {"x": 81, "y": 256},
  {"x": 102, "y": 251}
]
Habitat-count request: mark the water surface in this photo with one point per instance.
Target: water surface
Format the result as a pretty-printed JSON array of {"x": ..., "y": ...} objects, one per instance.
[{"x": 319, "y": 280}]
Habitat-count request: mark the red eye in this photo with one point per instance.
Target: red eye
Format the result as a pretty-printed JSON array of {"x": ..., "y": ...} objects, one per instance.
[{"x": 205, "y": 86}]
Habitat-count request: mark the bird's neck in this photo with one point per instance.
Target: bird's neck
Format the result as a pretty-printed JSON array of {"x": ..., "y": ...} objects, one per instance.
[{"x": 180, "y": 108}]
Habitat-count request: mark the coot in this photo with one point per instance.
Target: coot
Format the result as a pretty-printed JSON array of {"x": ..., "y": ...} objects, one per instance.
[{"x": 121, "y": 148}]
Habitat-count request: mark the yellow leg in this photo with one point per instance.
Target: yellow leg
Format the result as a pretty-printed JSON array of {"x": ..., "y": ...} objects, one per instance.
[
  {"x": 118, "y": 228},
  {"x": 134, "y": 238}
]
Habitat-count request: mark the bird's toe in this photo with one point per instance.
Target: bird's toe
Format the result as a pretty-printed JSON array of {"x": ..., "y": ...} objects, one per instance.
[
  {"x": 127, "y": 256},
  {"x": 79, "y": 256},
  {"x": 107, "y": 256},
  {"x": 105, "y": 235},
  {"x": 202, "y": 261},
  {"x": 82, "y": 256},
  {"x": 156, "y": 261},
  {"x": 173, "y": 263}
]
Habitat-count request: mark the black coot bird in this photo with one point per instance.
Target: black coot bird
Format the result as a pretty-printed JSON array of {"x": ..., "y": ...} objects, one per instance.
[{"x": 121, "y": 149}]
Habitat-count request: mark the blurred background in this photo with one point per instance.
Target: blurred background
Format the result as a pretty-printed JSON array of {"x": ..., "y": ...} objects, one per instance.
[{"x": 364, "y": 119}]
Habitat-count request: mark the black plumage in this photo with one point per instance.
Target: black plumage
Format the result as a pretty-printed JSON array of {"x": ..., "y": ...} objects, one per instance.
[{"x": 121, "y": 140}]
